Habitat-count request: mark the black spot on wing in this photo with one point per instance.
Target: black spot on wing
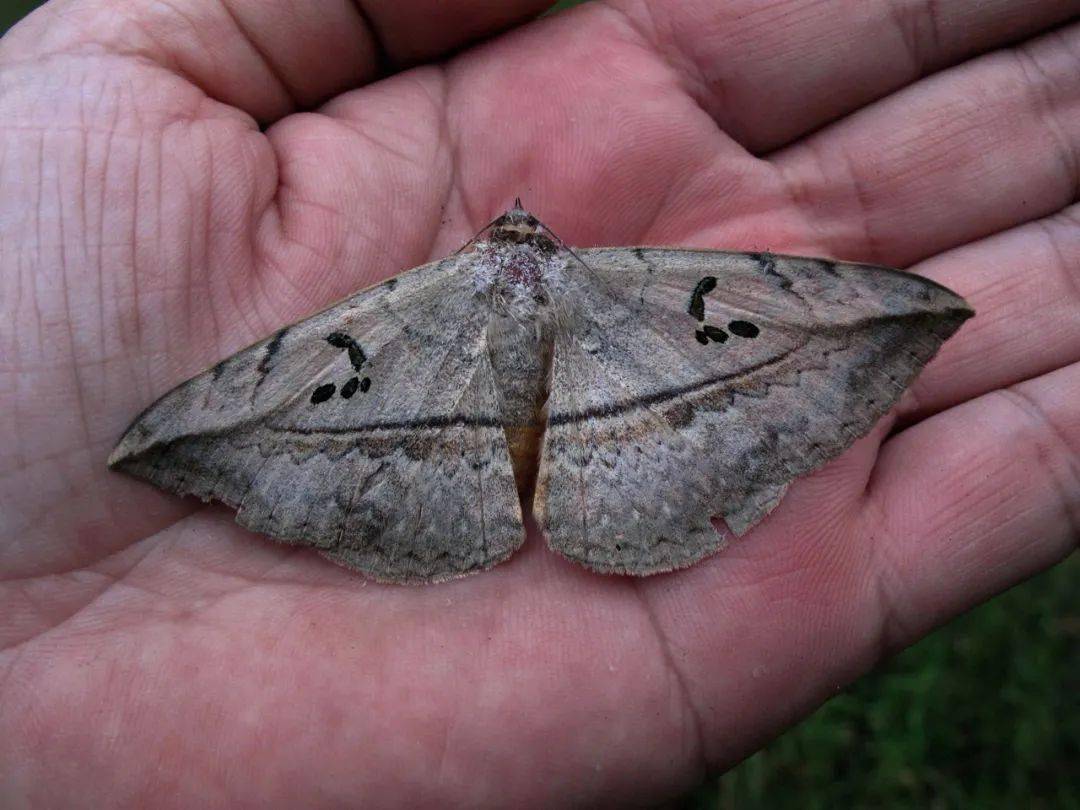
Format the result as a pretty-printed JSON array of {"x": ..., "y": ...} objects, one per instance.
[
  {"x": 714, "y": 333},
  {"x": 744, "y": 329},
  {"x": 349, "y": 388},
  {"x": 339, "y": 340},
  {"x": 322, "y": 393}
]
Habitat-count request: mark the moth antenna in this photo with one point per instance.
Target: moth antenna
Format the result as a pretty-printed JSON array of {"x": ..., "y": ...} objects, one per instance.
[
  {"x": 565, "y": 246},
  {"x": 476, "y": 235}
]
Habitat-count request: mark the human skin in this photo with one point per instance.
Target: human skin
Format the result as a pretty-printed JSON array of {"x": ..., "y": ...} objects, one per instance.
[{"x": 179, "y": 180}]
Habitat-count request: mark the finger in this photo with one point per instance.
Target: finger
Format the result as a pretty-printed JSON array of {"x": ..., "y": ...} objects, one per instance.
[
  {"x": 960, "y": 507},
  {"x": 976, "y": 499},
  {"x": 266, "y": 58},
  {"x": 769, "y": 73},
  {"x": 974, "y": 150},
  {"x": 1025, "y": 287}
]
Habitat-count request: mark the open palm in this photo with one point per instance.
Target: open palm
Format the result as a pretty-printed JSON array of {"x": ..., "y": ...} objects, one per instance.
[{"x": 155, "y": 653}]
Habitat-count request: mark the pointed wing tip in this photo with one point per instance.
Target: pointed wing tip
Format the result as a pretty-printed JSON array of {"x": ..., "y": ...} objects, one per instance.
[
  {"x": 955, "y": 304},
  {"x": 945, "y": 306},
  {"x": 135, "y": 441},
  {"x": 116, "y": 458},
  {"x": 120, "y": 455},
  {"x": 955, "y": 312},
  {"x": 948, "y": 302}
]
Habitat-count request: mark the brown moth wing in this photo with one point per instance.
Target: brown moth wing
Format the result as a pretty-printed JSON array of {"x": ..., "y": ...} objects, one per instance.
[
  {"x": 692, "y": 383},
  {"x": 369, "y": 431}
]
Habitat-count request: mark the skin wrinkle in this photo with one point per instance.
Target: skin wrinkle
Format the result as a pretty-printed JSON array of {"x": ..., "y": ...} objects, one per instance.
[
  {"x": 1072, "y": 279},
  {"x": 363, "y": 132},
  {"x": 85, "y": 231},
  {"x": 80, "y": 397},
  {"x": 893, "y": 629},
  {"x": 256, "y": 326},
  {"x": 271, "y": 68},
  {"x": 448, "y": 142},
  {"x": 1037, "y": 416},
  {"x": 191, "y": 267},
  {"x": 653, "y": 45},
  {"x": 1040, "y": 93},
  {"x": 230, "y": 283},
  {"x": 235, "y": 300},
  {"x": 50, "y": 619},
  {"x": 445, "y": 746},
  {"x": 272, "y": 211},
  {"x": 690, "y": 709},
  {"x": 381, "y": 57},
  {"x": 148, "y": 545},
  {"x": 872, "y": 251},
  {"x": 801, "y": 198},
  {"x": 10, "y": 661},
  {"x": 39, "y": 242},
  {"x": 172, "y": 61},
  {"x": 261, "y": 295},
  {"x": 919, "y": 39},
  {"x": 894, "y": 633},
  {"x": 135, "y": 269}
]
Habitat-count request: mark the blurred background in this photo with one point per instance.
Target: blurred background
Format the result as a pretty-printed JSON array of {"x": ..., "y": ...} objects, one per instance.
[{"x": 983, "y": 713}]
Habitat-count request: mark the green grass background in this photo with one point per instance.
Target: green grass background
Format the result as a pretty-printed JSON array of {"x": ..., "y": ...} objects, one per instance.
[{"x": 983, "y": 713}]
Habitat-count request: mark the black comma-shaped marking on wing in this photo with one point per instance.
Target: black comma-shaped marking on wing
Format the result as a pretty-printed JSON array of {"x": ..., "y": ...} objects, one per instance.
[
  {"x": 697, "y": 297},
  {"x": 706, "y": 332},
  {"x": 339, "y": 340}
]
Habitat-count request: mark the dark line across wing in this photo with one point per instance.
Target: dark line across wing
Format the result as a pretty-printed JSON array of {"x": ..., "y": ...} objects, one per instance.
[
  {"x": 605, "y": 411},
  {"x": 428, "y": 423},
  {"x": 465, "y": 420}
]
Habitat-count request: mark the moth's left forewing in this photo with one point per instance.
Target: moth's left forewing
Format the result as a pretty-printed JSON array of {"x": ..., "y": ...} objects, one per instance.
[
  {"x": 369, "y": 431},
  {"x": 750, "y": 369},
  {"x": 277, "y": 372}
]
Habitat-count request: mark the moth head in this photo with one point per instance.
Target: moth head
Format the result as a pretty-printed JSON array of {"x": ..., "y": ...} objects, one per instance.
[{"x": 520, "y": 227}]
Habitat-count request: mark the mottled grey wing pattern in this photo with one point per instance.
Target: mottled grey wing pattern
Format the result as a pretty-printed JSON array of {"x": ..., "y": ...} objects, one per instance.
[
  {"x": 696, "y": 383},
  {"x": 370, "y": 431}
]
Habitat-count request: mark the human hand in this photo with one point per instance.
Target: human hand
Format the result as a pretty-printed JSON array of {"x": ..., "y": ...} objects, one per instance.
[{"x": 156, "y": 653}]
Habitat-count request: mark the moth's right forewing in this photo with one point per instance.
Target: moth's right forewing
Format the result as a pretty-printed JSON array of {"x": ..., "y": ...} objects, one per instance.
[{"x": 702, "y": 382}]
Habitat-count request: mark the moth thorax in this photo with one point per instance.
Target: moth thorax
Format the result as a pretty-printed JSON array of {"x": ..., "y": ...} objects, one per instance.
[
  {"x": 521, "y": 268},
  {"x": 518, "y": 278}
]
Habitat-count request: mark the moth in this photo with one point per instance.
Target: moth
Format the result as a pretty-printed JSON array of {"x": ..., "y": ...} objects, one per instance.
[{"x": 626, "y": 394}]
